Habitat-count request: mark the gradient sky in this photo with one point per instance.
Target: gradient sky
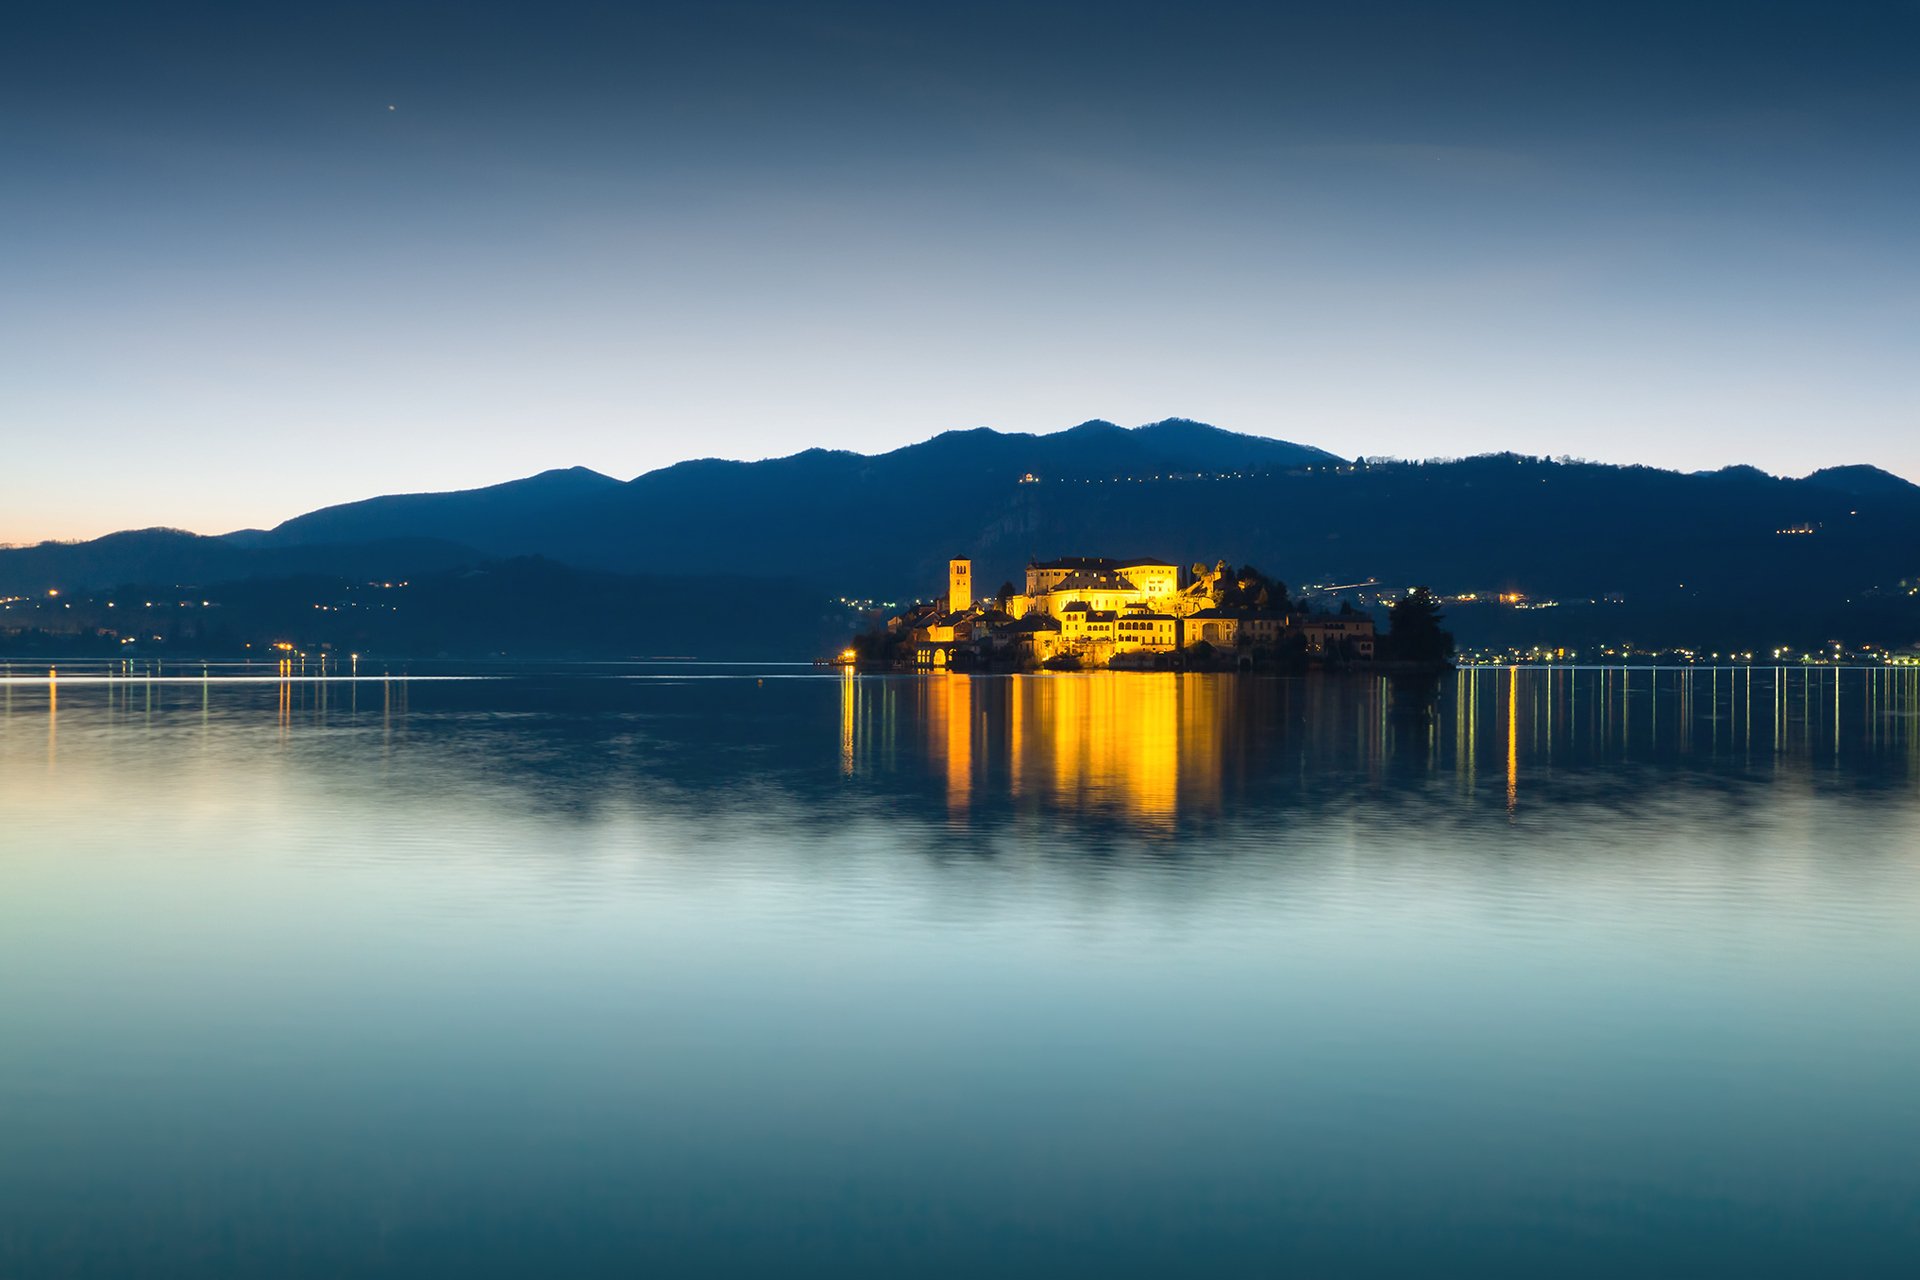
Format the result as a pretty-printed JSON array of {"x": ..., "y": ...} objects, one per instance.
[{"x": 259, "y": 258}]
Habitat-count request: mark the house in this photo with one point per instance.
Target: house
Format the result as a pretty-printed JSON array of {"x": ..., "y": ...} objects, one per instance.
[
  {"x": 1339, "y": 635},
  {"x": 1212, "y": 626}
]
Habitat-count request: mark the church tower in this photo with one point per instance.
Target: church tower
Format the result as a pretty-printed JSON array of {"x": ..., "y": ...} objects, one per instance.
[{"x": 959, "y": 585}]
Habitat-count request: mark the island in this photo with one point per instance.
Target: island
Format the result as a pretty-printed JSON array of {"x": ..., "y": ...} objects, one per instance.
[{"x": 1094, "y": 612}]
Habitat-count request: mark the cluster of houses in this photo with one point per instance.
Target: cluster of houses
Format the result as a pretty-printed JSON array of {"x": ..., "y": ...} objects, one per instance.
[{"x": 1089, "y": 611}]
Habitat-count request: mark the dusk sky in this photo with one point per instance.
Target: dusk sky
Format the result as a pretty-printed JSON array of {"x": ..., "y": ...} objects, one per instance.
[{"x": 260, "y": 258}]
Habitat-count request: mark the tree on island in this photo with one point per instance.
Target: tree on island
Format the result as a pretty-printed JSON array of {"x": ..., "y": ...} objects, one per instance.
[
  {"x": 1248, "y": 588},
  {"x": 1414, "y": 633},
  {"x": 876, "y": 645}
]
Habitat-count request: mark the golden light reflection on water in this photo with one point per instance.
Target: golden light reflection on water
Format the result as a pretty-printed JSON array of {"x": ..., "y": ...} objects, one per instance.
[
  {"x": 849, "y": 694},
  {"x": 1513, "y": 737},
  {"x": 1149, "y": 747},
  {"x": 1154, "y": 746},
  {"x": 1115, "y": 744},
  {"x": 1143, "y": 745},
  {"x": 949, "y": 719}
]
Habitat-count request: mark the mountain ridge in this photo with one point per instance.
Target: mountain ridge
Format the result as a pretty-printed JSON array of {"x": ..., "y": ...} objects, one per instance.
[
  {"x": 1171, "y": 438},
  {"x": 1727, "y": 552}
]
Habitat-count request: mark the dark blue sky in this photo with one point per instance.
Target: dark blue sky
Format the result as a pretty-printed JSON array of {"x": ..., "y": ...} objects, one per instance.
[{"x": 258, "y": 258}]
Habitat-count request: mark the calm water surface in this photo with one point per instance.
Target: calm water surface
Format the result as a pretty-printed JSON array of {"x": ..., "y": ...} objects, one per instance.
[{"x": 708, "y": 971}]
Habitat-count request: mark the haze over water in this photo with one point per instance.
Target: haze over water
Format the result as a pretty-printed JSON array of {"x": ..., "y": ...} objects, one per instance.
[{"x": 701, "y": 970}]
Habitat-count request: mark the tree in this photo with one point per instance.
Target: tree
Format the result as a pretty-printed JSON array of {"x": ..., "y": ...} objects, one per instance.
[
  {"x": 1293, "y": 652},
  {"x": 876, "y": 645},
  {"x": 1007, "y": 592},
  {"x": 1414, "y": 633},
  {"x": 1248, "y": 588}
]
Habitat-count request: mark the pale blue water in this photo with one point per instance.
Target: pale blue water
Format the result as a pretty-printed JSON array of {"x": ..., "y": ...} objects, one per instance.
[{"x": 724, "y": 971}]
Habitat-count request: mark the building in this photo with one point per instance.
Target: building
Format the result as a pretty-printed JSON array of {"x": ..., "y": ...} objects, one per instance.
[
  {"x": 1148, "y": 579},
  {"x": 1213, "y": 626},
  {"x": 1032, "y": 640},
  {"x": 1267, "y": 628},
  {"x": 1092, "y": 609},
  {"x": 1338, "y": 635},
  {"x": 1146, "y": 632},
  {"x": 959, "y": 585}
]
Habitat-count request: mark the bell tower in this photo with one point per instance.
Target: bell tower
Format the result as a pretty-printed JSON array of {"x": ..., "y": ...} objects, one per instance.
[{"x": 959, "y": 585}]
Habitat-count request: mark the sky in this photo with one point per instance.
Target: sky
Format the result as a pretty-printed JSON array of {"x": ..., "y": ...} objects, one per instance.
[{"x": 256, "y": 259}]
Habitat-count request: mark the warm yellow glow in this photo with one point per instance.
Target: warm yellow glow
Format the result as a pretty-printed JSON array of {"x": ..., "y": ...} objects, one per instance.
[
  {"x": 847, "y": 689},
  {"x": 949, "y": 721},
  {"x": 1141, "y": 745},
  {"x": 960, "y": 585},
  {"x": 1513, "y": 738}
]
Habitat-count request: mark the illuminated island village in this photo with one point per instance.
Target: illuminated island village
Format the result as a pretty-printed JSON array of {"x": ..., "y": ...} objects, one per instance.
[{"x": 1089, "y": 613}]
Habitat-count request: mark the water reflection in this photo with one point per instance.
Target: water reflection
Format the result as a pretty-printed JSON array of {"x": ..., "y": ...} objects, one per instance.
[
  {"x": 1524, "y": 972},
  {"x": 1150, "y": 748},
  {"x": 1144, "y": 748},
  {"x": 1128, "y": 747},
  {"x": 1146, "y": 751}
]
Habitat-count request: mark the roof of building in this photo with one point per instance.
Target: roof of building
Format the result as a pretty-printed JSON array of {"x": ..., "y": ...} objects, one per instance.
[
  {"x": 1034, "y": 622},
  {"x": 1081, "y": 606},
  {"x": 1101, "y": 562},
  {"x": 1093, "y": 580}
]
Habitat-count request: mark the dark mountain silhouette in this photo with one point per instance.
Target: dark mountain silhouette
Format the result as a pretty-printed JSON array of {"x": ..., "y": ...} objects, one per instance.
[
  {"x": 1735, "y": 557},
  {"x": 1859, "y": 479},
  {"x": 831, "y": 517},
  {"x": 587, "y": 518},
  {"x": 175, "y": 556},
  {"x": 499, "y": 517}
]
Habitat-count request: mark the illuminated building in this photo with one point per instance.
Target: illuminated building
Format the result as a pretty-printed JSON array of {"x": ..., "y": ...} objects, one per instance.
[
  {"x": 959, "y": 585},
  {"x": 1093, "y": 611}
]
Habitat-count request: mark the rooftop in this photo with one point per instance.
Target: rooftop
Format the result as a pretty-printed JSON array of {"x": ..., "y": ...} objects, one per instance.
[
  {"x": 1034, "y": 622},
  {"x": 1093, "y": 580},
  {"x": 1096, "y": 563}
]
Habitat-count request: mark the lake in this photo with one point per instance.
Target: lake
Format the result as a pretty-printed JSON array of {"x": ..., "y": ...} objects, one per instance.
[{"x": 683, "y": 970}]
